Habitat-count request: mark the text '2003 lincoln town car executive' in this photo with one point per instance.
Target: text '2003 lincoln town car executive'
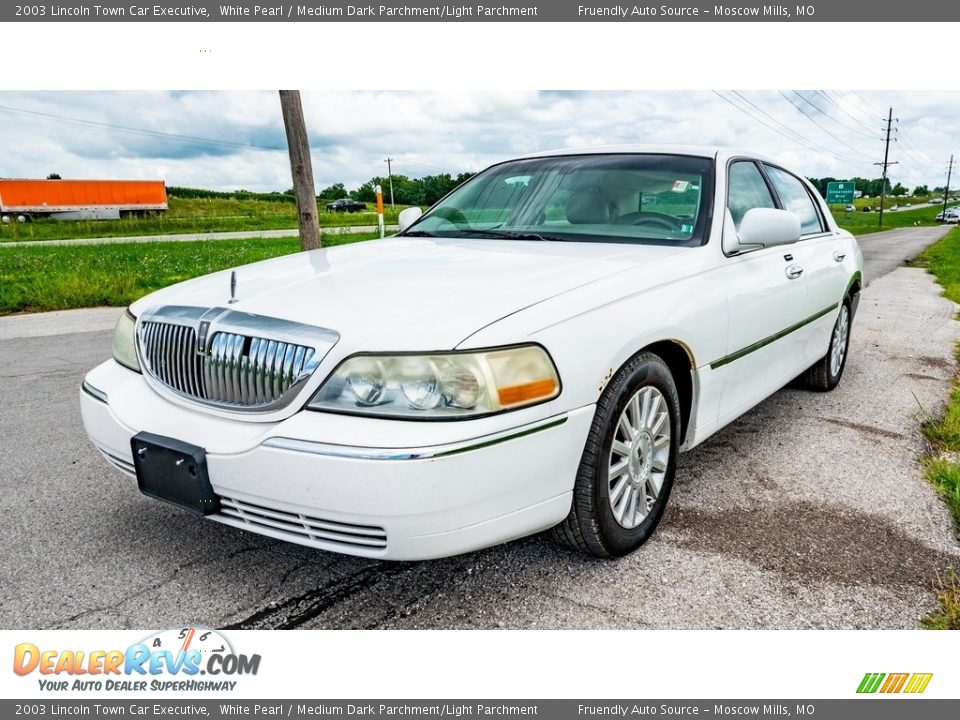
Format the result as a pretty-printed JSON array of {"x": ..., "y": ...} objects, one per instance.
[{"x": 530, "y": 353}]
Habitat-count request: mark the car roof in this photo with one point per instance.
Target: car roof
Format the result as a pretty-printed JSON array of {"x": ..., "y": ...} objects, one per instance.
[{"x": 719, "y": 152}]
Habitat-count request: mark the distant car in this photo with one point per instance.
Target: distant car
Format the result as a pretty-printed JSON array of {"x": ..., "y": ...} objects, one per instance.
[
  {"x": 850, "y": 208},
  {"x": 951, "y": 216},
  {"x": 894, "y": 208},
  {"x": 346, "y": 205}
]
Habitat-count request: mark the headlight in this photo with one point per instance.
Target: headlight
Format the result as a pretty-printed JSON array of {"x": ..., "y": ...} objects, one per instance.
[
  {"x": 125, "y": 341},
  {"x": 447, "y": 385}
]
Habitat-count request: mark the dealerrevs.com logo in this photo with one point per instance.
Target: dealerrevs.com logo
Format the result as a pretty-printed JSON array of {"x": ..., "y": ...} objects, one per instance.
[
  {"x": 911, "y": 683},
  {"x": 181, "y": 659}
]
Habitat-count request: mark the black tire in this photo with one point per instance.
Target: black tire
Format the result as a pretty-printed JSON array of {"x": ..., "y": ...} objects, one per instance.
[
  {"x": 591, "y": 526},
  {"x": 820, "y": 376}
]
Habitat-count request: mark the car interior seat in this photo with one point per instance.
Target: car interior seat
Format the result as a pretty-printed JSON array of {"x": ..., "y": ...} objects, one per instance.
[{"x": 588, "y": 206}]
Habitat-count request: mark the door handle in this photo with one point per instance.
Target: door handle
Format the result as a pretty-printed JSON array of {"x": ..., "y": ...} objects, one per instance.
[
  {"x": 794, "y": 271},
  {"x": 839, "y": 255}
]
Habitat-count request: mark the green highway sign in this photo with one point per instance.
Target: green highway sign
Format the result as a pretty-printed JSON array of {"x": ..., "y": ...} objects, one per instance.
[{"x": 840, "y": 193}]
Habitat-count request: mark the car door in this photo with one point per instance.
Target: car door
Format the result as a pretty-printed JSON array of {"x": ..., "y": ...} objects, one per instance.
[
  {"x": 766, "y": 295},
  {"x": 823, "y": 267}
]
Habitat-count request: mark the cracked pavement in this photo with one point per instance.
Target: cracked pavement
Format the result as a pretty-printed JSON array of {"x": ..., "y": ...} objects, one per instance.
[{"x": 808, "y": 512}]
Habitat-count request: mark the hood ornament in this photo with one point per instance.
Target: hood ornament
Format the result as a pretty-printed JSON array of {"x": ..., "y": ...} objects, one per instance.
[{"x": 233, "y": 288}]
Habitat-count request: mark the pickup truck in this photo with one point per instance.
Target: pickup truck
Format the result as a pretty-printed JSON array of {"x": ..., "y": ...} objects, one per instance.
[{"x": 346, "y": 205}]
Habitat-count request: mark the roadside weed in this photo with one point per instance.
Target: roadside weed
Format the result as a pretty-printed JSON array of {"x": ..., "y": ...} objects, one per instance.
[{"x": 948, "y": 596}]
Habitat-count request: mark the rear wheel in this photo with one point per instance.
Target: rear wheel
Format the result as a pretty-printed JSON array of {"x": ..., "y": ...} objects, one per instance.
[
  {"x": 626, "y": 471},
  {"x": 825, "y": 374}
]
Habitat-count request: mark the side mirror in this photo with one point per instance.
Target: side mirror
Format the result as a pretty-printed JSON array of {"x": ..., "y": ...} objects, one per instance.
[
  {"x": 766, "y": 227},
  {"x": 408, "y": 217}
]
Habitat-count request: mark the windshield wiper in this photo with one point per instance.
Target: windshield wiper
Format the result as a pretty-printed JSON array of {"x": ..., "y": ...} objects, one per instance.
[
  {"x": 512, "y": 234},
  {"x": 493, "y": 233}
]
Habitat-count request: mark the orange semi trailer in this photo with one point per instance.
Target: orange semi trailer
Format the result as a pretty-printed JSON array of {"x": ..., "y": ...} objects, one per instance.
[{"x": 80, "y": 199}]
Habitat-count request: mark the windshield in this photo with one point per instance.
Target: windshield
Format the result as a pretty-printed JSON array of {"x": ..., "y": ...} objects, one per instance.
[{"x": 660, "y": 199}]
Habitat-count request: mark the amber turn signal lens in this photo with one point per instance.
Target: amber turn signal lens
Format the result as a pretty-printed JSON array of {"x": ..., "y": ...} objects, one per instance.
[{"x": 526, "y": 392}]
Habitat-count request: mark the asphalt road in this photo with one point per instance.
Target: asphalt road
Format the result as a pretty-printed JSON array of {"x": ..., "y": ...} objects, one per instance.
[
  {"x": 884, "y": 251},
  {"x": 810, "y": 511}
]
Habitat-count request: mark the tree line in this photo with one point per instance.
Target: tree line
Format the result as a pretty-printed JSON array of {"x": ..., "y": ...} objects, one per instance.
[
  {"x": 872, "y": 187},
  {"x": 423, "y": 191}
]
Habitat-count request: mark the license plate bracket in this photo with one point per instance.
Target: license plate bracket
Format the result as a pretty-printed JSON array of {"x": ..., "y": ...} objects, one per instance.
[{"x": 175, "y": 472}]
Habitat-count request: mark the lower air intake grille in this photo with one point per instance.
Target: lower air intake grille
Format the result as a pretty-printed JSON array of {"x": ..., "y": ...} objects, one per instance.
[
  {"x": 118, "y": 462},
  {"x": 315, "y": 530}
]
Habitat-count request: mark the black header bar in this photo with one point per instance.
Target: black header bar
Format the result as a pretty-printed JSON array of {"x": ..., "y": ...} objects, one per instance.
[{"x": 859, "y": 11}]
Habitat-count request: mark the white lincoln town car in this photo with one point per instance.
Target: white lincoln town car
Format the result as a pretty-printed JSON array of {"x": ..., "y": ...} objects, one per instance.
[{"x": 531, "y": 353}]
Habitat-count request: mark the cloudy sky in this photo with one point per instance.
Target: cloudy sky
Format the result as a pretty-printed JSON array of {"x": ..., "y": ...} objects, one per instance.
[{"x": 231, "y": 140}]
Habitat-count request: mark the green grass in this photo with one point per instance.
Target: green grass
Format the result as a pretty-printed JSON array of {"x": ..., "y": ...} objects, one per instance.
[
  {"x": 948, "y": 598},
  {"x": 943, "y": 464},
  {"x": 190, "y": 216},
  {"x": 861, "y": 223},
  {"x": 39, "y": 278},
  {"x": 943, "y": 467},
  {"x": 944, "y": 473},
  {"x": 943, "y": 260}
]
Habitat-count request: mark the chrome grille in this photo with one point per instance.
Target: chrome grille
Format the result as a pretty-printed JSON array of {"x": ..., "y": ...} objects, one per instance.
[
  {"x": 229, "y": 359},
  {"x": 171, "y": 355},
  {"x": 299, "y": 528}
]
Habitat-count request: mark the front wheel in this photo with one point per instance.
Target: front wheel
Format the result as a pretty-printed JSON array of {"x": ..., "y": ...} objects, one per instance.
[
  {"x": 626, "y": 471},
  {"x": 825, "y": 374}
]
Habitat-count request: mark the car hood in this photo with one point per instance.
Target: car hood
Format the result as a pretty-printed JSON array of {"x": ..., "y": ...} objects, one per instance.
[{"x": 402, "y": 294}]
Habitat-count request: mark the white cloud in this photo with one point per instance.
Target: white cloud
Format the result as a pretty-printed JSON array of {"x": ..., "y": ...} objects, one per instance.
[{"x": 231, "y": 140}]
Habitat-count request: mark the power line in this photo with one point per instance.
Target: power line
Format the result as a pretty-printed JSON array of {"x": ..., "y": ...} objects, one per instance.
[
  {"x": 176, "y": 137},
  {"x": 946, "y": 190},
  {"x": 800, "y": 138},
  {"x": 908, "y": 141},
  {"x": 830, "y": 117},
  {"x": 913, "y": 153},
  {"x": 886, "y": 163},
  {"x": 869, "y": 104},
  {"x": 826, "y": 96},
  {"x": 856, "y": 104},
  {"x": 803, "y": 143},
  {"x": 813, "y": 120}
]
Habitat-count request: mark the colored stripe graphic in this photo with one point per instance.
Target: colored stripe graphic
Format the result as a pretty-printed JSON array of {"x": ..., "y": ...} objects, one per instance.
[
  {"x": 918, "y": 683},
  {"x": 870, "y": 682},
  {"x": 894, "y": 683}
]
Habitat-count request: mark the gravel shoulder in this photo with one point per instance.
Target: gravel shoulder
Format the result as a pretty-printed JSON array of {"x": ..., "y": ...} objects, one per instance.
[{"x": 809, "y": 512}]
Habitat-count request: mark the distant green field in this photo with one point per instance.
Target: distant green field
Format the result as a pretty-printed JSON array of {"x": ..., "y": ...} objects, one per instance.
[
  {"x": 860, "y": 223},
  {"x": 61, "y": 277},
  {"x": 190, "y": 216}
]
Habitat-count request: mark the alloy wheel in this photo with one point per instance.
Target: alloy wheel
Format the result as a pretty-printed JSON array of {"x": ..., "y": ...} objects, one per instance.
[{"x": 639, "y": 457}]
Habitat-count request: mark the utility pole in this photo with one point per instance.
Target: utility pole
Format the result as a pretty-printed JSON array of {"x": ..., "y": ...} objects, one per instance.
[
  {"x": 388, "y": 161},
  {"x": 946, "y": 190},
  {"x": 301, "y": 168},
  {"x": 886, "y": 163}
]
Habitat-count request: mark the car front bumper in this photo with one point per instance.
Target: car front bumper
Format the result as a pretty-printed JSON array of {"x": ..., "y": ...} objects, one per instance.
[{"x": 433, "y": 490}]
